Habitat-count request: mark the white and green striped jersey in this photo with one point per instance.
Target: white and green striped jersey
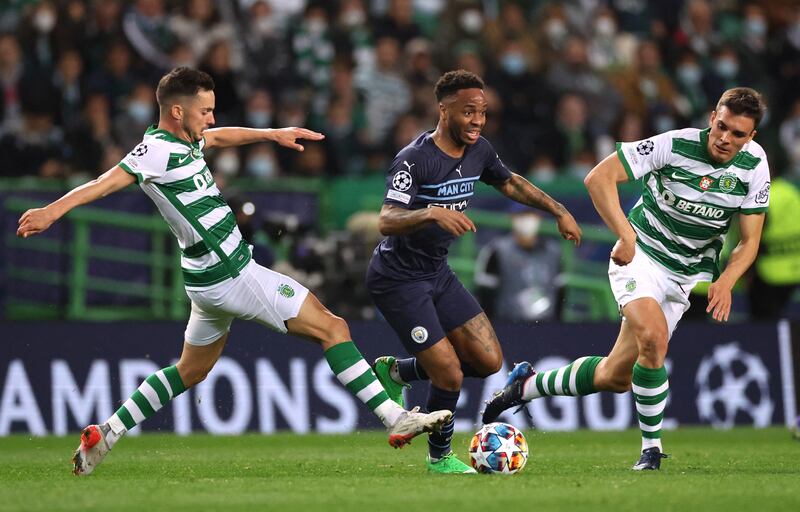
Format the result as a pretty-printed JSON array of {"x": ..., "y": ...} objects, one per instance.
[
  {"x": 175, "y": 176},
  {"x": 688, "y": 200}
]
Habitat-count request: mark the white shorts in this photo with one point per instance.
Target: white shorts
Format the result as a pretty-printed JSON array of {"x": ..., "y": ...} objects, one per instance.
[
  {"x": 643, "y": 277},
  {"x": 258, "y": 293}
]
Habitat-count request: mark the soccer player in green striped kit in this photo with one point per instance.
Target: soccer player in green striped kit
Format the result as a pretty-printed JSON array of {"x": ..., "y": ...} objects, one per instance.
[
  {"x": 694, "y": 182},
  {"x": 221, "y": 279}
]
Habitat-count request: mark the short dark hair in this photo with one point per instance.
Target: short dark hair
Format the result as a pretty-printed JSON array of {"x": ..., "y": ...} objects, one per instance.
[
  {"x": 453, "y": 81},
  {"x": 182, "y": 81},
  {"x": 744, "y": 101}
]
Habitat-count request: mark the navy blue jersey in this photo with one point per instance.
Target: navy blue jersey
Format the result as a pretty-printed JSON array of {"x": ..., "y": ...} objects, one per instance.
[{"x": 424, "y": 176}]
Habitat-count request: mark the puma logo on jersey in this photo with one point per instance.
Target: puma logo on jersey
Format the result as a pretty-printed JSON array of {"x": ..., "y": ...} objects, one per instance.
[
  {"x": 408, "y": 165},
  {"x": 458, "y": 170}
]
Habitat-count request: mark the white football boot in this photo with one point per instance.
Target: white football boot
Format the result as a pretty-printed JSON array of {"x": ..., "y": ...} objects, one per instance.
[
  {"x": 93, "y": 449},
  {"x": 412, "y": 423}
]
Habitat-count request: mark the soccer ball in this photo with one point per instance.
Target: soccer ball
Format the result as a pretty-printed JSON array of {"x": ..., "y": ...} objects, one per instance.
[{"x": 498, "y": 448}]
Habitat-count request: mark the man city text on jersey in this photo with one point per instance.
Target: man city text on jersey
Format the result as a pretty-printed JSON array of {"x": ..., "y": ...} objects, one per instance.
[{"x": 423, "y": 176}]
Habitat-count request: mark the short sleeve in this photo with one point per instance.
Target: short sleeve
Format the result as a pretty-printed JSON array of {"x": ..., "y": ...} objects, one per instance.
[
  {"x": 494, "y": 171},
  {"x": 147, "y": 162},
  {"x": 757, "y": 198},
  {"x": 403, "y": 179},
  {"x": 644, "y": 156}
]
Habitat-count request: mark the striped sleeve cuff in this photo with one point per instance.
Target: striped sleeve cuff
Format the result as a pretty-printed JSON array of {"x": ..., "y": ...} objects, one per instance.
[
  {"x": 625, "y": 163},
  {"x": 127, "y": 169}
]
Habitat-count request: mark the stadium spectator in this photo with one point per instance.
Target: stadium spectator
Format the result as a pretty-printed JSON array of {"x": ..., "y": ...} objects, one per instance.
[
  {"x": 87, "y": 142},
  {"x": 116, "y": 77},
  {"x": 146, "y": 26},
  {"x": 398, "y": 23},
  {"x": 199, "y": 25},
  {"x": 572, "y": 74},
  {"x": 35, "y": 145},
  {"x": 68, "y": 80},
  {"x": 645, "y": 85},
  {"x": 515, "y": 274},
  {"x": 12, "y": 73},
  {"x": 139, "y": 111},
  {"x": 386, "y": 93}
]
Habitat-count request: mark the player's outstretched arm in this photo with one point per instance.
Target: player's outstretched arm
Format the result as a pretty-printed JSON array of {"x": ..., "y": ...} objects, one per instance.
[
  {"x": 394, "y": 220},
  {"x": 601, "y": 182},
  {"x": 39, "y": 219},
  {"x": 237, "y": 136},
  {"x": 719, "y": 293},
  {"x": 523, "y": 191}
]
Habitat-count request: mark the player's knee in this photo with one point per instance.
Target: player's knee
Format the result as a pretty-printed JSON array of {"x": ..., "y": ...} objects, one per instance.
[
  {"x": 652, "y": 341},
  {"x": 334, "y": 331},
  {"x": 192, "y": 375},
  {"x": 449, "y": 379},
  {"x": 489, "y": 365}
]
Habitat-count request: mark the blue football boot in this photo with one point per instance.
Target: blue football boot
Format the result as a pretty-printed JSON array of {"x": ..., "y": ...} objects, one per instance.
[{"x": 511, "y": 394}]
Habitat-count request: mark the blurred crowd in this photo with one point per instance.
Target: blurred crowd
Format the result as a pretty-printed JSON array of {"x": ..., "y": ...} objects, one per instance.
[{"x": 565, "y": 78}]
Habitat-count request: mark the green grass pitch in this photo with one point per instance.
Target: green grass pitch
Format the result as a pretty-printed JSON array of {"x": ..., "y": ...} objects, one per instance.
[{"x": 741, "y": 469}]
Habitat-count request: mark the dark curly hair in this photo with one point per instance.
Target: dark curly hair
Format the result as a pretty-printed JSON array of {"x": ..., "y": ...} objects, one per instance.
[
  {"x": 453, "y": 81},
  {"x": 744, "y": 101},
  {"x": 182, "y": 81}
]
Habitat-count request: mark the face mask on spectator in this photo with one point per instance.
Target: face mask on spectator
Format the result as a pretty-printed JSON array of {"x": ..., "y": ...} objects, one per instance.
[
  {"x": 793, "y": 33},
  {"x": 471, "y": 21},
  {"x": 605, "y": 26},
  {"x": 227, "y": 164},
  {"x": 755, "y": 26},
  {"x": 259, "y": 118},
  {"x": 690, "y": 74},
  {"x": 525, "y": 226},
  {"x": 555, "y": 29},
  {"x": 353, "y": 18},
  {"x": 264, "y": 26},
  {"x": 663, "y": 123},
  {"x": 140, "y": 111},
  {"x": 44, "y": 20},
  {"x": 726, "y": 67},
  {"x": 513, "y": 63},
  {"x": 261, "y": 166},
  {"x": 316, "y": 27}
]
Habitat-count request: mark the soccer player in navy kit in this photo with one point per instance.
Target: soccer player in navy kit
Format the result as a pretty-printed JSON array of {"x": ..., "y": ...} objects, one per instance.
[{"x": 428, "y": 187}]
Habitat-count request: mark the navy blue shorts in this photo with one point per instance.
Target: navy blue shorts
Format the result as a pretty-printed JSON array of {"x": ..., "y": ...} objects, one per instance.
[{"x": 421, "y": 312}]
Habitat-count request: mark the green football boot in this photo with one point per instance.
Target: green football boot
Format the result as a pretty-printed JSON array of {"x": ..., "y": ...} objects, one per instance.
[
  {"x": 449, "y": 464},
  {"x": 381, "y": 367}
]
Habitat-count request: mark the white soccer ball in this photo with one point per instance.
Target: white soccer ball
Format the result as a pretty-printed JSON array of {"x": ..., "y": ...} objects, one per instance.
[{"x": 498, "y": 448}]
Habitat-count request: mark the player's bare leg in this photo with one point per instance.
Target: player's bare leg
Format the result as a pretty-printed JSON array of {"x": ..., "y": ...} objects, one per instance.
[
  {"x": 477, "y": 346},
  {"x": 315, "y": 322}
]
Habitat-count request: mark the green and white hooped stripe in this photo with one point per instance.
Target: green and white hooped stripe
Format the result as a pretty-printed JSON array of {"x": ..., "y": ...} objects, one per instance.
[
  {"x": 650, "y": 390},
  {"x": 357, "y": 376},
  {"x": 574, "y": 379},
  {"x": 149, "y": 398}
]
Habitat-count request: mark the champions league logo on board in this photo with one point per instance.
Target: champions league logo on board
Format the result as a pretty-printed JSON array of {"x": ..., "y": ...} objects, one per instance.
[{"x": 733, "y": 384}]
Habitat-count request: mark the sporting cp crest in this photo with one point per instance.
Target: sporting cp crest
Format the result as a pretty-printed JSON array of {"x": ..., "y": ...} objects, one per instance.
[
  {"x": 630, "y": 285},
  {"x": 286, "y": 290},
  {"x": 728, "y": 182}
]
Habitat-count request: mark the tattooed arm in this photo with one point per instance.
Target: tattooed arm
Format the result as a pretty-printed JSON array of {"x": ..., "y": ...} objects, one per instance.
[{"x": 523, "y": 191}]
